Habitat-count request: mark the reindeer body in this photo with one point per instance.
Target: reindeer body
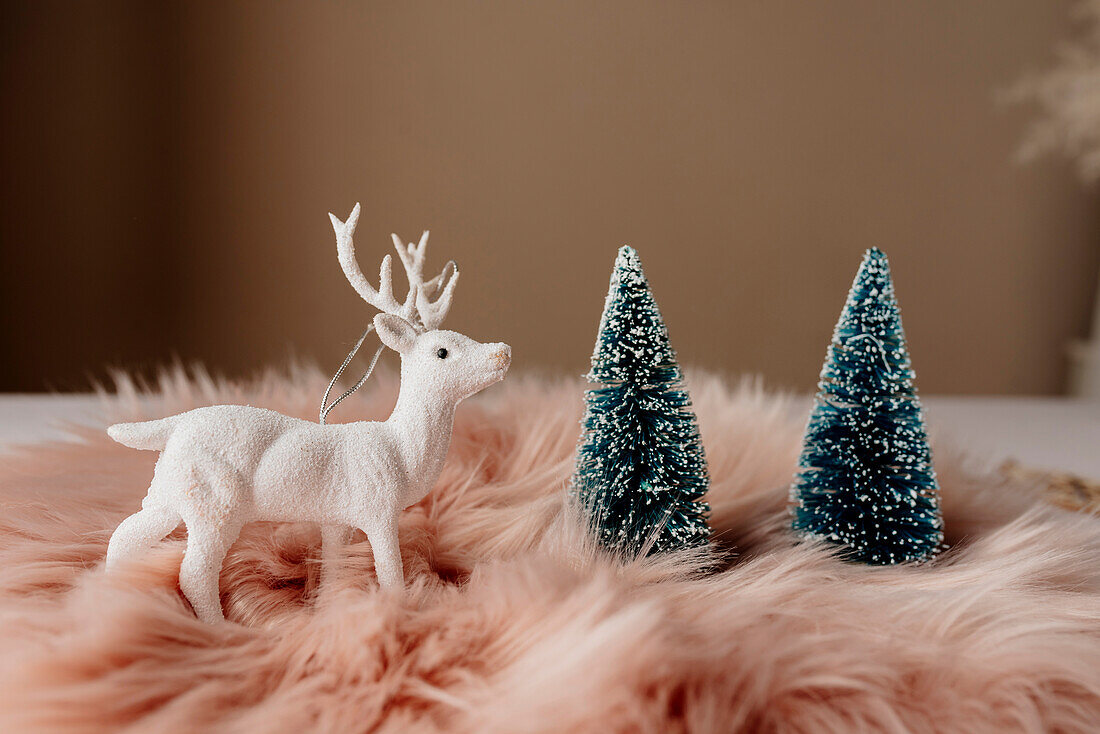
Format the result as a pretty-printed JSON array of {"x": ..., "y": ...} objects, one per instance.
[
  {"x": 285, "y": 469},
  {"x": 223, "y": 466}
]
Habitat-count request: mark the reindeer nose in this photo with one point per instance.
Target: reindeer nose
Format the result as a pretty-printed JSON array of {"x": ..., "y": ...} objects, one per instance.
[{"x": 502, "y": 357}]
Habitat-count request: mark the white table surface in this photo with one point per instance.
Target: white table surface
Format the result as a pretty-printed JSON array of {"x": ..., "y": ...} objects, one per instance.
[{"x": 1059, "y": 434}]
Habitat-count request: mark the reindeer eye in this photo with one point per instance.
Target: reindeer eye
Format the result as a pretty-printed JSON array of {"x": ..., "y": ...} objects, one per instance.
[{"x": 442, "y": 353}]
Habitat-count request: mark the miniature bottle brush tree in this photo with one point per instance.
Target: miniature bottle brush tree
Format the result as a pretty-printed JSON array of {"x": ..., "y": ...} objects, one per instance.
[
  {"x": 865, "y": 476},
  {"x": 641, "y": 472}
]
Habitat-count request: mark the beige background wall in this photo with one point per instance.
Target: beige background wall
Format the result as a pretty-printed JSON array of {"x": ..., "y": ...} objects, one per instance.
[{"x": 167, "y": 171}]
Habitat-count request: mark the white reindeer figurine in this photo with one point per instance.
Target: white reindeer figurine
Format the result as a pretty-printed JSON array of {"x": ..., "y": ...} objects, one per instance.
[{"x": 223, "y": 466}]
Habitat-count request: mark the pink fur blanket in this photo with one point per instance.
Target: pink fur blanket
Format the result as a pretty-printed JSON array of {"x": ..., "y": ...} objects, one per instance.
[{"x": 513, "y": 622}]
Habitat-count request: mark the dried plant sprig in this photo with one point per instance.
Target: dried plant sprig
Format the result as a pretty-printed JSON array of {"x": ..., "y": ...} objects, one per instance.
[{"x": 1068, "y": 96}]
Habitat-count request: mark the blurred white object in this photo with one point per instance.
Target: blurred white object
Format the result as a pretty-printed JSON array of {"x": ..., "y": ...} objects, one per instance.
[{"x": 1084, "y": 360}]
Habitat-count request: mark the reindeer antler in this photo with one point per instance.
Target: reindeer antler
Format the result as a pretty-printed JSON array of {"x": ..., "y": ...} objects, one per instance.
[
  {"x": 383, "y": 298},
  {"x": 433, "y": 299},
  {"x": 429, "y": 301}
]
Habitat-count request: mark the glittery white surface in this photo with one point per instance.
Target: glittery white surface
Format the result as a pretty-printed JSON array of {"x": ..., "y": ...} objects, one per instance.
[{"x": 226, "y": 465}]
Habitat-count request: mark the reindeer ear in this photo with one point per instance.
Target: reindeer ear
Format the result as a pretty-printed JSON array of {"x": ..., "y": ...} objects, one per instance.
[{"x": 395, "y": 332}]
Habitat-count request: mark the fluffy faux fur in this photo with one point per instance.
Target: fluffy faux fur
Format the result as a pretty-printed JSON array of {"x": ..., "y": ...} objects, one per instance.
[{"x": 513, "y": 622}]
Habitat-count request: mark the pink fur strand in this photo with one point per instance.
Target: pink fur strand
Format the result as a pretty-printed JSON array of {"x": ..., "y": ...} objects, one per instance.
[{"x": 513, "y": 622}]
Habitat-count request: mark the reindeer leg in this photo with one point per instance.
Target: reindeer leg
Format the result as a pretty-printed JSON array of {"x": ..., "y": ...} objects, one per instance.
[
  {"x": 387, "y": 553},
  {"x": 138, "y": 532},
  {"x": 201, "y": 568}
]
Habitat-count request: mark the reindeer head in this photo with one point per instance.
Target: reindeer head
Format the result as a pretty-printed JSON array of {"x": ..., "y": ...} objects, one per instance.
[{"x": 434, "y": 360}]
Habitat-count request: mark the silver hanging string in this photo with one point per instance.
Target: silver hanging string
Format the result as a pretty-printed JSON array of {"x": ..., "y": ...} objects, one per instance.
[
  {"x": 881, "y": 353},
  {"x": 878, "y": 343},
  {"x": 326, "y": 407}
]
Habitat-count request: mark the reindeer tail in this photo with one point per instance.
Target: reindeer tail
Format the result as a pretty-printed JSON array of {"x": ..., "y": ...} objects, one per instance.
[{"x": 149, "y": 435}]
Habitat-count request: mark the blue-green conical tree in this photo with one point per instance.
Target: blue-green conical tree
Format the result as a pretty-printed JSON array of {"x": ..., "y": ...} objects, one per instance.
[
  {"x": 865, "y": 477},
  {"x": 641, "y": 471}
]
